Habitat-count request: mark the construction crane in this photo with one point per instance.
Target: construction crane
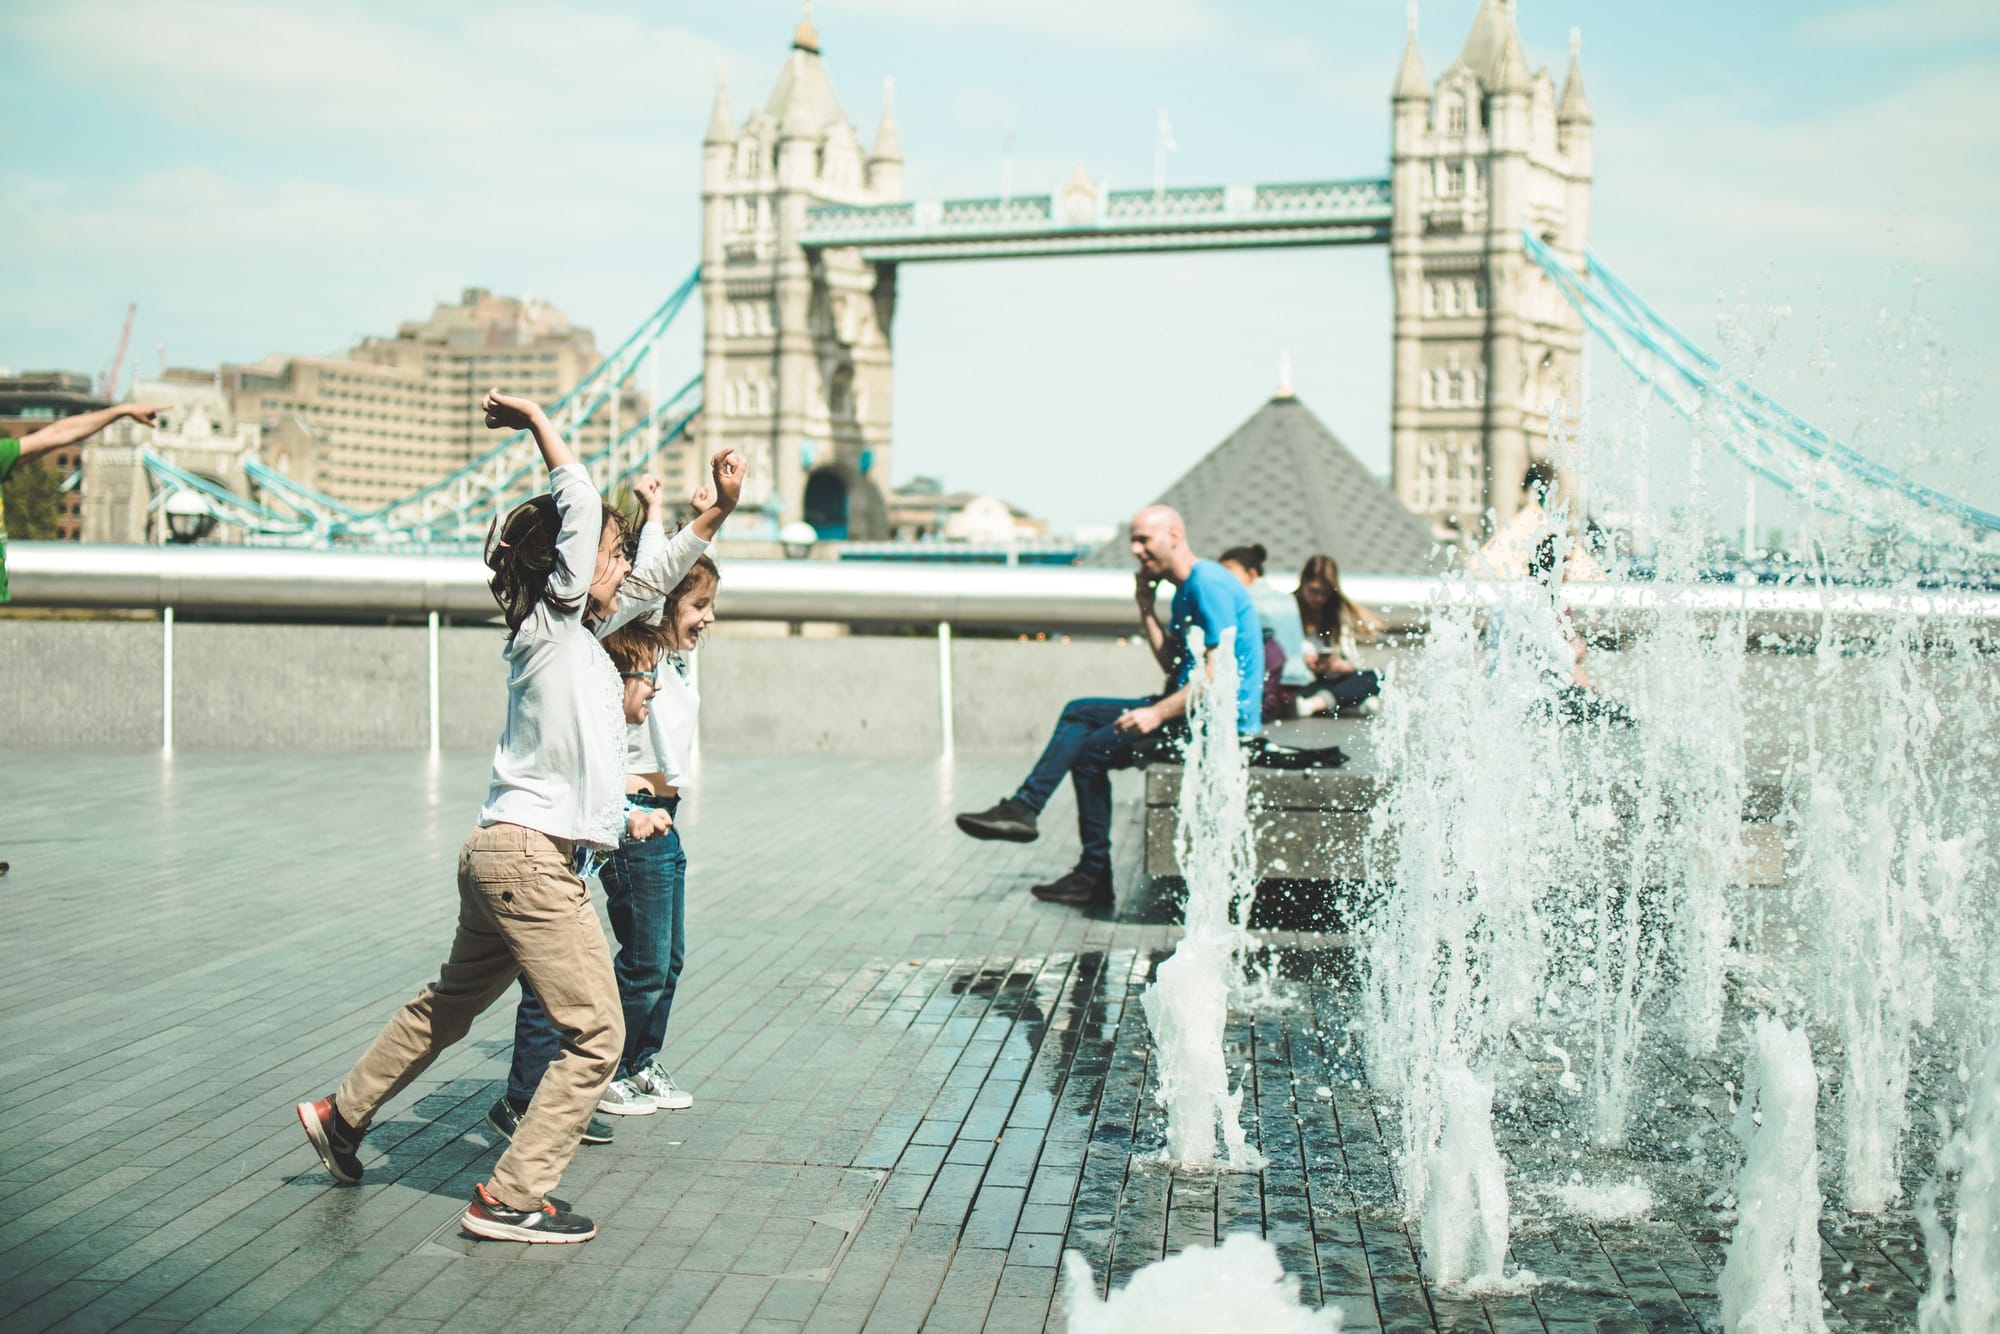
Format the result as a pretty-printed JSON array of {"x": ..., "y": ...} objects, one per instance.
[{"x": 107, "y": 386}]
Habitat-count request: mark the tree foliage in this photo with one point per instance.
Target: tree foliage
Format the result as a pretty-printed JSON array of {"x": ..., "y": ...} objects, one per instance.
[{"x": 34, "y": 501}]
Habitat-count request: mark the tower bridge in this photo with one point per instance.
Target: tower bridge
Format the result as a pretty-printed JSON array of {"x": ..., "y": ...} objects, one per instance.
[
  {"x": 1485, "y": 213},
  {"x": 804, "y": 230}
]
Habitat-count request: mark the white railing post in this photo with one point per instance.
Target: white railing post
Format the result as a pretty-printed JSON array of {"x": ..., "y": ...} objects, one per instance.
[
  {"x": 167, "y": 680},
  {"x": 434, "y": 682},
  {"x": 944, "y": 688}
]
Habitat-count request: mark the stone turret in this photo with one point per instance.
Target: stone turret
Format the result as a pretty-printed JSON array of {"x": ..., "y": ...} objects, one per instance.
[
  {"x": 1484, "y": 346},
  {"x": 796, "y": 364},
  {"x": 885, "y": 159}
]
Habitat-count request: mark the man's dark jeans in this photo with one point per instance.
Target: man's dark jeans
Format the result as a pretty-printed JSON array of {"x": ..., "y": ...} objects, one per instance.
[
  {"x": 1086, "y": 747},
  {"x": 645, "y": 884}
]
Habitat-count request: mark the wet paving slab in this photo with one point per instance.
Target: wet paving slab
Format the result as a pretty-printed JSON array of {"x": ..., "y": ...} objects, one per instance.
[{"x": 916, "y": 1087}]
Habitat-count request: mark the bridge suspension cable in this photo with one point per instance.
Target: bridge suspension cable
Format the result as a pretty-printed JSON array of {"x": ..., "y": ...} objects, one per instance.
[{"x": 1767, "y": 438}]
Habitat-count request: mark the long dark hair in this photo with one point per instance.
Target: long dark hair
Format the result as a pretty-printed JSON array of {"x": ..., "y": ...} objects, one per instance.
[
  {"x": 521, "y": 552},
  {"x": 1323, "y": 621}
]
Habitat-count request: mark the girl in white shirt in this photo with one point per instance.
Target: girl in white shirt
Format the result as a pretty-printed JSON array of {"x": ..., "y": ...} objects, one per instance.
[{"x": 556, "y": 798}]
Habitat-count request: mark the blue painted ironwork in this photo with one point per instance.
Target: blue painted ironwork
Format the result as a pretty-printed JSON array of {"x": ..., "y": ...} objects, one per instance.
[
  {"x": 457, "y": 508},
  {"x": 1086, "y": 222},
  {"x": 1771, "y": 441}
]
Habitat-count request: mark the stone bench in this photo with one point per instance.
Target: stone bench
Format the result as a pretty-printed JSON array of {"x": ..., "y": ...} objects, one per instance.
[{"x": 1313, "y": 825}]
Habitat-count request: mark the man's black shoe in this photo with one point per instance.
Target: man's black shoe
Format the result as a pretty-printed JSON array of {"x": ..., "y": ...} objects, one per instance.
[
  {"x": 504, "y": 1120},
  {"x": 1009, "y": 820},
  {"x": 1079, "y": 886}
]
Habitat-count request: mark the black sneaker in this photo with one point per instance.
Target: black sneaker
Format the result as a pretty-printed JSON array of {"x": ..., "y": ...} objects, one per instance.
[
  {"x": 487, "y": 1217},
  {"x": 337, "y": 1144},
  {"x": 1079, "y": 886},
  {"x": 1009, "y": 820},
  {"x": 502, "y": 1117}
]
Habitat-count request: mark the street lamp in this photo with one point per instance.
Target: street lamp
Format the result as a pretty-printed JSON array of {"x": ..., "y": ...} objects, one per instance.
[
  {"x": 797, "y": 537},
  {"x": 189, "y": 517}
]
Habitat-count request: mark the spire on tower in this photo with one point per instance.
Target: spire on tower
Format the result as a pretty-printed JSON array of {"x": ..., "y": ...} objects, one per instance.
[
  {"x": 1410, "y": 83},
  {"x": 888, "y": 144},
  {"x": 1574, "y": 107},
  {"x": 805, "y": 37},
  {"x": 1285, "y": 367},
  {"x": 1510, "y": 71},
  {"x": 721, "y": 129}
]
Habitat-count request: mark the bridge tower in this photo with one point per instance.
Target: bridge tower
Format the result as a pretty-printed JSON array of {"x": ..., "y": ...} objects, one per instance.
[
  {"x": 1484, "y": 344},
  {"x": 796, "y": 366}
]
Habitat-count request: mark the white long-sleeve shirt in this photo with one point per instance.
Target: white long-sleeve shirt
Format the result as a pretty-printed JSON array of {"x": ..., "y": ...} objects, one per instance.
[
  {"x": 559, "y": 767},
  {"x": 663, "y": 743}
]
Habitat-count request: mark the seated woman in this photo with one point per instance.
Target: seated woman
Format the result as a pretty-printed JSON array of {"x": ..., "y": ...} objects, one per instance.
[
  {"x": 1247, "y": 564},
  {"x": 1331, "y": 622}
]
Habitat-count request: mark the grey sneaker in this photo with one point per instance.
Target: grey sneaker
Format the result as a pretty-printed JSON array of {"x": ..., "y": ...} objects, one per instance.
[
  {"x": 624, "y": 1097},
  {"x": 654, "y": 1080}
]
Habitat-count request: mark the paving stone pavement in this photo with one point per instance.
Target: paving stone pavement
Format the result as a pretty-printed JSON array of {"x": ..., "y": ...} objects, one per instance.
[{"x": 915, "y": 1085}]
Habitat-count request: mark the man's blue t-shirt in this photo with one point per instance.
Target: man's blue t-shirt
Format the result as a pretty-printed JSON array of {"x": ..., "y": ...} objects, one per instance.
[{"x": 1216, "y": 600}]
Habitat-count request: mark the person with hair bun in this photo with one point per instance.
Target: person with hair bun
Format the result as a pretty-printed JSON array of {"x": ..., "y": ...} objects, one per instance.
[{"x": 1247, "y": 564}]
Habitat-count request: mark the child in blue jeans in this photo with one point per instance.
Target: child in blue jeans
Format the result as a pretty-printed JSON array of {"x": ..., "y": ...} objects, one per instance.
[{"x": 643, "y": 879}]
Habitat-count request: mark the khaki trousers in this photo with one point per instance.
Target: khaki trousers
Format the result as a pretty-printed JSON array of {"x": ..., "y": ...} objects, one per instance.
[{"x": 521, "y": 910}]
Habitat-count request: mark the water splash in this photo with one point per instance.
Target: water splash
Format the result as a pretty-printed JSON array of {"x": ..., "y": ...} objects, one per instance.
[
  {"x": 1237, "y": 1288},
  {"x": 1964, "y": 1291},
  {"x": 1770, "y": 1280},
  {"x": 1187, "y": 1006}
]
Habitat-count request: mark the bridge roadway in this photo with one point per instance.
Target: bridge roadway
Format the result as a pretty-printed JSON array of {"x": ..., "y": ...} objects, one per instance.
[
  {"x": 1082, "y": 219},
  {"x": 915, "y": 1085}
]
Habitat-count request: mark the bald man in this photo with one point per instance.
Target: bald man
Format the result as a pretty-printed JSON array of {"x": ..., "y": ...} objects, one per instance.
[{"x": 1095, "y": 736}]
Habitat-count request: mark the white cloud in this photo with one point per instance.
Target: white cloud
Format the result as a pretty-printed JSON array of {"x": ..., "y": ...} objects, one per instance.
[
  {"x": 1902, "y": 178},
  {"x": 1905, "y": 23},
  {"x": 1124, "y": 24},
  {"x": 266, "y": 72}
]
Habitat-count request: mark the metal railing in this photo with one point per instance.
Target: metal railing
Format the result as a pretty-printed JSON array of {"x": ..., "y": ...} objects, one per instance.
[{"x": 283, "y": 583}]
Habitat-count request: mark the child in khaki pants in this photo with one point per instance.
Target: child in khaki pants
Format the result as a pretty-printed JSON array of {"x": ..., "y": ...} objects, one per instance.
[{"x": 556, "y": 802}]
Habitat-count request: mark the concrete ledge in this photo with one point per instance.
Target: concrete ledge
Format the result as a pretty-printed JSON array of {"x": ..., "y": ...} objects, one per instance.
[{"x": 1314, "y": 825}]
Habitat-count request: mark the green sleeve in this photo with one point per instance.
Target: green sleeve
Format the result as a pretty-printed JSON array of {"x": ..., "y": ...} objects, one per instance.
[{"x": 10, "y": 454}]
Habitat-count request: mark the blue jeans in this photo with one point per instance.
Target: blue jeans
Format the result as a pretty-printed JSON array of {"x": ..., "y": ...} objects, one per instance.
[
  {"x": 645, "y": 884},
  {"x": 1086, "y": 747}
]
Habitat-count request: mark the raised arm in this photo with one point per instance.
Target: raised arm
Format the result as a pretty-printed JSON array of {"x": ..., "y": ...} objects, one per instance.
[
  {"x": 727, "y": 469},
  {"x": 504, "y": 412},
  {"x": 69, "y": 430},
  {"x": 579, "y": 508}
]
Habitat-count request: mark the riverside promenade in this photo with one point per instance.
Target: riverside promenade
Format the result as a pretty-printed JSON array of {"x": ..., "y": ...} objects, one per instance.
[{"x": 915, "y": 1086}]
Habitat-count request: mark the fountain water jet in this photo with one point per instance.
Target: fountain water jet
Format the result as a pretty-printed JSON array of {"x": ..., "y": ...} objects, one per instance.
[
  {"x": 1770, "y": 1280},
  {"x": 1963, "y": 1295},
  {"x": 1187, "y": 1006}
]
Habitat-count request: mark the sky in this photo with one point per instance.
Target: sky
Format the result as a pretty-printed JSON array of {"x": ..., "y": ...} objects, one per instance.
[{"x": 1811, "y": 187}]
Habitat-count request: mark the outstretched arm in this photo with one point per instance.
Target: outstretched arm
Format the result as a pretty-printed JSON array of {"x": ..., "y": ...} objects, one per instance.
[{"x": 69, "y": 430}]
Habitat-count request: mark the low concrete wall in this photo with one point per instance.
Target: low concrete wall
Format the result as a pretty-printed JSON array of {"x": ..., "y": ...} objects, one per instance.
[
  {"x": 301, "y": 687},
  {"x": 270, "y": 686},
  {"x": 79, "y": 683},
  {"x": 844, "y": 696},
  {"x": 1006, "y": 694}
]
